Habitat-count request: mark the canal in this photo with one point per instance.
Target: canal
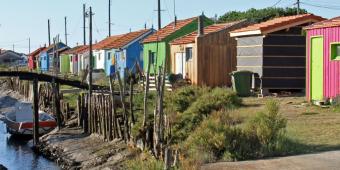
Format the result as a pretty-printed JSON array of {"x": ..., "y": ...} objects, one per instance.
[{"x": 16, "y": 153}]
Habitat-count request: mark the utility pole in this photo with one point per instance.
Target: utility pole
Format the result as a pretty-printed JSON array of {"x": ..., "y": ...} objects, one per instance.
[
  {"x": 13, "y": 47},
  {"x": 175, "y": 16},
  {"x": 86, "y": 129},
  {"x": 49, "y": 32},
  {"x": 109, "y": 18},
  {"x": 159, "y": 15},
  {"x": 66, "y": 30},
  {"x": 84, "y": 23},
  {"x": 298, "y": 6}
]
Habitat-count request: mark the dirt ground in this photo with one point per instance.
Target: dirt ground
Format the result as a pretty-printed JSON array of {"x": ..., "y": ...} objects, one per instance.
[
  {"x": 319, "y": 161},
  {"x": 74, "y": 150}
]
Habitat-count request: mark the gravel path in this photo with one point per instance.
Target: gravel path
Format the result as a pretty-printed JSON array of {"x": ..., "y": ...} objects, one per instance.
[{"x": 324, "y": 161}]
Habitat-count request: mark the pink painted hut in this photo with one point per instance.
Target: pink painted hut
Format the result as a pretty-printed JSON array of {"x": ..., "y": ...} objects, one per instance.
[{"x": 323, "y": 60}]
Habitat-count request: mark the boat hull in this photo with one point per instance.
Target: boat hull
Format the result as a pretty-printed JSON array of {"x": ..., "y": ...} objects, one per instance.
[{"x": 26, "y": 128}]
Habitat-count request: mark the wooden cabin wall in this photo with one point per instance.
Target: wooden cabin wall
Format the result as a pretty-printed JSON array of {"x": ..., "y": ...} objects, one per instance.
[
  {"x": 215, "y": 59},
  {"x": 284, "y": 59},
  {"x": 189, "y": 65}
]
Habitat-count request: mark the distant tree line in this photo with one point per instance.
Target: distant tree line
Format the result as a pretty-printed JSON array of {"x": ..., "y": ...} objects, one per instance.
[{"x": 259, "y": 15}]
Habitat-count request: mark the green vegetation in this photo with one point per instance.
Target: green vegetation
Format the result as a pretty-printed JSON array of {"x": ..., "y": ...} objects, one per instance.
[
  {"x": 212, "y": 100},
  {"x": 210, "y": 125},
  {"x": 258, "y": 15},
  {"x": 144, "y": 161}
]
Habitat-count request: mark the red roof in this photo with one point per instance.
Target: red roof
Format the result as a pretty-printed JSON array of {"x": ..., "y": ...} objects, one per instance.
[
  {"x": 168, "y": 30},
  {"x": 277, "y": 24},
  {"x": 75, "y": 50},
  {"x": 37, "y": 51},
  {"x": 126, "y": 39},
  {"x": 334, "y": 22},
  {"x": 190, "y": 38},
  {"x": 104, "y": 43}
]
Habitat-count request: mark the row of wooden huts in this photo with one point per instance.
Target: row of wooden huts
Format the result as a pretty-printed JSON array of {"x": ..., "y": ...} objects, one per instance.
[{"x": 206, "y": 53}]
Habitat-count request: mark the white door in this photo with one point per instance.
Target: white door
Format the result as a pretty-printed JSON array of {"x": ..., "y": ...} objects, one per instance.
[{"x": 180, "y": 64}]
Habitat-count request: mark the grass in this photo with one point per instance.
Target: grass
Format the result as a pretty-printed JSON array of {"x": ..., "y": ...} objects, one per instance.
[{"x": 309, "y": 128}]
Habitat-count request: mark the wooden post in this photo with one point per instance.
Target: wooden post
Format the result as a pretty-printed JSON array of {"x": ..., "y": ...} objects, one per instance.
[
  {"x": 122, "y": 98},
  {"x": 57, "y": 105},
  {"x": 36, "y": 113},
  {"x": 79, "y": 110},
  {"x": 113, "y": 117},
  {"x": 167, "y": 158},
  {"x": 146, "y": 91},
  {"x": 131, "y": 99}
]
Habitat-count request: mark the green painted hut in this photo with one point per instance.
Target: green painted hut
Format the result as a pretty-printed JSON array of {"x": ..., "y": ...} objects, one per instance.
[
  {"x": 157, "y": 47},
  {"x": 67, "y": 59}
]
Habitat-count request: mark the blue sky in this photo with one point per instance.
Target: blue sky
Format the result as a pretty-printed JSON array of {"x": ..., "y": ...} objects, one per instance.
[{"x": 21, "y": 19}]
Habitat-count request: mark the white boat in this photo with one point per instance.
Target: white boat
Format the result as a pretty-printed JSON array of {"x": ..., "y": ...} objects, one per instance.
[{"x": 20, "y": 121}]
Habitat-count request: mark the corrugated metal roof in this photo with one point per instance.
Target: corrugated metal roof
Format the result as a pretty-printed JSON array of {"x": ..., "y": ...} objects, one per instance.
[
  {"x": 334, "y": 22},
  {"x": 277, "y": 23},
  {"x": 104, "y": 43},
  {"x": 127, "y": 38},
  {"x": 75, "y": 50},
  {"x": 190, "y": 38},
  {"x": 168, "y": 30},
  {"x": 37, "y": 51}
]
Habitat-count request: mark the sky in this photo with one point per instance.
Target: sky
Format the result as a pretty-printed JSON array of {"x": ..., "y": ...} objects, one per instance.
[{"x": 24, "y": 19}]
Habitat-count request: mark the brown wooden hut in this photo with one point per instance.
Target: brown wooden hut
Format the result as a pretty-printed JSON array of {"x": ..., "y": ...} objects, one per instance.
[{"x": 206, "y": 57}]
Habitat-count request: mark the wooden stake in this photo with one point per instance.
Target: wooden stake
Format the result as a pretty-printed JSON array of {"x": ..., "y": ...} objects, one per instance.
[
  {"x": 36, "y": 113},
  {"x": 122, "y": 98},
  {"x": 114, "y": 116}
]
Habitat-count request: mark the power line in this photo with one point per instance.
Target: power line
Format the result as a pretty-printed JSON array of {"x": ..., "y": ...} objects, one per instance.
[
  {"x": 276, "y": 3},
  {"x": 321, "y": 6}
]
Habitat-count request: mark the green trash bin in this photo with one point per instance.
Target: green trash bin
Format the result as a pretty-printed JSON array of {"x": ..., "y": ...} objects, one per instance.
[{"x": 242, "y": 82}]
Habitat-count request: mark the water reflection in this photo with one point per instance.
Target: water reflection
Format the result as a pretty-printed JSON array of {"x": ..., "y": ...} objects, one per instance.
[{"x": 16, "y": 153}]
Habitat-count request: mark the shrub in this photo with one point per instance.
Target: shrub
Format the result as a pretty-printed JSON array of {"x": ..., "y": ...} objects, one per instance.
[
  {"x": 217, "y": 99},
  {"x": 182, "y": 98},
  {"x": 144, "y": 161},
  {"x": 217, "y": 138},
  {"x": 207, "y": 142},
  {"x": 269, "y": 127}
]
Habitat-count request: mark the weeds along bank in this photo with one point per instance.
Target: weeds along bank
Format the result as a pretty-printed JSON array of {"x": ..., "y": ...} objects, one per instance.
[{"x": 205, "y": 128}]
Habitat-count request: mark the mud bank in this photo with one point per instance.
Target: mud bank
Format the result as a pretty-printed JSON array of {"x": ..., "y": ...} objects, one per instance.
[{"x": 73, "y": 150}]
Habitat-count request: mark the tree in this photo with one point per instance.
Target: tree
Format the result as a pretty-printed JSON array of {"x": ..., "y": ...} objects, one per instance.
[{"x": 258, "y": 15}]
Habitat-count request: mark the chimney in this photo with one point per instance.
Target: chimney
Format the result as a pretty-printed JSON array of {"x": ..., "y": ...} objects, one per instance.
[{"x": 200, "y": 25}]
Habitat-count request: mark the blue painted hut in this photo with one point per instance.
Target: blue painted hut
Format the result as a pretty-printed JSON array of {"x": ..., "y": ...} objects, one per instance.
[
  {"x": 46, "y": 58},
  {"x": 126, "y": 51}
]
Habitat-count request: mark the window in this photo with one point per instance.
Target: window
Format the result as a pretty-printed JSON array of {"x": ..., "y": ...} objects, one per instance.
[
  {"x": 335, "y": 51},
  {"x": 109, "y": 55},
  {"x": 152, "y": 57},
  {"x": 188, "y": 53},
  {"x": 141, "y": 56},
  {"x": 71, "y": 58},
  {"x": 99, "y": 56}
]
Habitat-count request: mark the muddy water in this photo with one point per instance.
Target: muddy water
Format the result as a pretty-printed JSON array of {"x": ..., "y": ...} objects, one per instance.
[{"x": 15, "y": 152}]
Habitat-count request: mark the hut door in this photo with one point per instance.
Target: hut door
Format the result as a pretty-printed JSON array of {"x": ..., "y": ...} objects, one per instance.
[
  {"x": 316, "y": 68},
  {"x": 180, "y": 64}
]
